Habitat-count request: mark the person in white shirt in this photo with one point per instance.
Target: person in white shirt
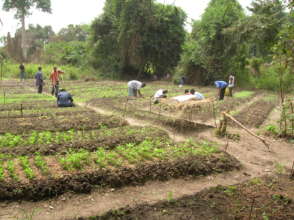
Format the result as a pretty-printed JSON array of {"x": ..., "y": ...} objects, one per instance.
[
  {"x": 161, "y": 93},
  {"x": 197, "y": 95},
  {"x": 231, "y": 85},
  {"x": 134, "y": 87},
  {"x": 192, "y": 96}
]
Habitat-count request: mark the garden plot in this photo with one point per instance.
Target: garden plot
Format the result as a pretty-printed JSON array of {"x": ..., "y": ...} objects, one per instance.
[
  {"x": 52, "y": 143},
  {"x": 256, "y": 113},
  {"x": 41, "y": 177},
  {"x": 258, "y": 198},
  {"x": 38, "y": 112},
  {"x": 84, "y": 121},
  {"x": 28, "y": 105}
]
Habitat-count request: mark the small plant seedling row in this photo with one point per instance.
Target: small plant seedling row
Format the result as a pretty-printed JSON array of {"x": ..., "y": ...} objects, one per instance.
[
  {"x": 50, "y": 143},
  {"x": 128, "y": 164}
]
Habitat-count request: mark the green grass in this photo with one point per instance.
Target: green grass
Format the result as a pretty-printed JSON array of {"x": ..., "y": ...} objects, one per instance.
[
  {"x": 1, "y": 170},
  {"x": 243, "y": 94}
]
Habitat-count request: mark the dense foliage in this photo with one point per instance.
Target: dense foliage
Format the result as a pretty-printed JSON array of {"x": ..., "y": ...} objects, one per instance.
[{"x": 137, "y": 38}]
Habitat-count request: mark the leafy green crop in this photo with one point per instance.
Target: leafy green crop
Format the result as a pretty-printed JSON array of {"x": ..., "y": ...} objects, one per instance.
[
  {"x": 25, "y": 164},
  {"x": 11, "y": 170}
]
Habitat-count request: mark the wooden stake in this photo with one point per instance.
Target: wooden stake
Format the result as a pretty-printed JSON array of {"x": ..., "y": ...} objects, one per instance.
[
  {"x": 150, "y": 103},
  {"x": 246, "y": 129},
  {"x": 292, "y": 110},
  {"x": 292, "y": 170},
  {"x": 21, "y": 112},
  {"x": 251, "y": 208}
]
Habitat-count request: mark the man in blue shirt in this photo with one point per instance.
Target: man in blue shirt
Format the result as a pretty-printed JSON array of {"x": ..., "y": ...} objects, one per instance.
[
  {"x": 39, "y": 80},
  {"x": 221, "y": 85},
  {"x": 64, "y": 99}
]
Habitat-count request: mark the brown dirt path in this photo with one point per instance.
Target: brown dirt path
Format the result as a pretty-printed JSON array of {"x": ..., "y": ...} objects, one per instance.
[{"x": 255, "y": 158}]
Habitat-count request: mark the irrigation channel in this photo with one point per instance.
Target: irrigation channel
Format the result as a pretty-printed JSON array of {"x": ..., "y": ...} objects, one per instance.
[{"x": 256, "y": 161}]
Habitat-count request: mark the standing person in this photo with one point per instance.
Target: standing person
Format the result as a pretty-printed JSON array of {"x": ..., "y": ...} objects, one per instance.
[
  {"x": 64, "y": 99},
  {"x": 54, "y": 77},
  {"x": 231, "y": 84},
  {"x": 22, "y": 72},
  {"x": 39, "y": 80},
  {"x": 134, "y": 87},
  {"x": 182, "y": 81},
  {"x": 221, "y": 85}
]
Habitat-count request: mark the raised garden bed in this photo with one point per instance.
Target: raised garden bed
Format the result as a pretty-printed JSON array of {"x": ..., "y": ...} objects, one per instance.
[
  {"x": 51, "y": 143},
  {"x": 85, "y": 121},
  {"x": 43, "y": 177}
]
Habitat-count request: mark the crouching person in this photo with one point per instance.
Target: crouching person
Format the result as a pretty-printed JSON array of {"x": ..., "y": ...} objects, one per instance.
[
  {"x": 161, "y": 93},
  {"x": 64, "y": 99}
]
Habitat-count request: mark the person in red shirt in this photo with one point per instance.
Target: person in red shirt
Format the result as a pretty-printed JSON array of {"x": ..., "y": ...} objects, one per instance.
[{"x": 54, "y": 77}]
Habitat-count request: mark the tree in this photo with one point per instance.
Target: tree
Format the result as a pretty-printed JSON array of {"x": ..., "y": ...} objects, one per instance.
[
  {"x": 138, "y": 38},
  {"x": 210, "y": 53},
  {"x": 23, "y": 8},
  {"x": 74, "y": 33}
]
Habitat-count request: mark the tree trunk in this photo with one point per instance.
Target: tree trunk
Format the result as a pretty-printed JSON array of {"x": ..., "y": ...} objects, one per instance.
[{"x": 23, "y": 38}]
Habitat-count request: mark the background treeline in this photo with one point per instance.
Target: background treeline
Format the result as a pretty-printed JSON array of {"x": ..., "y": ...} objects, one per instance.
[{"x": 146, "y": 39}]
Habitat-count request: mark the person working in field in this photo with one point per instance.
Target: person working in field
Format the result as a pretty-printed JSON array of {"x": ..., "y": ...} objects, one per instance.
[
  {"x": 191, "y": 96},
  {"x": 159, "y": 95},
  {"x": 39, "y": 80},
  {"x": 22, "y": 72},
  {"x": 54, "y": 77},
  {"x": 231, "y": 85},
  {"x": 134, "y": 87},
  {"x": 197, "y": 95},
  {"x": 64, "y": 99},
  {"x": 221, "y": 85}
]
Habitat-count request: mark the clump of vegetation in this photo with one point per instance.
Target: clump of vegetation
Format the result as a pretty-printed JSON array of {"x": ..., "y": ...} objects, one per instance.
[
  {"x": 25, "y": 164},
  {"x": 75, "y": 160},
  {"x": 41, "y": 164},
  {"x": 11, "y": 170}
]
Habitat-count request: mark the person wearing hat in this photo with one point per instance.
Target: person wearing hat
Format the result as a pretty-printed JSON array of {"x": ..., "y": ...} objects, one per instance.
[{"x": 64, "y": 99}]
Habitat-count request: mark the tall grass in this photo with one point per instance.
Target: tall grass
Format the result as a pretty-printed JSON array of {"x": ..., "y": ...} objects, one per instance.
[{"x": 11, "y": 70}]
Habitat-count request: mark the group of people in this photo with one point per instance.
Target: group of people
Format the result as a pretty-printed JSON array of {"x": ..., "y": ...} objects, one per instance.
[
  {"x": 222, "y": 86},
  {"x": 64, "y": 98},
  {"x": 134, "y": 87}
]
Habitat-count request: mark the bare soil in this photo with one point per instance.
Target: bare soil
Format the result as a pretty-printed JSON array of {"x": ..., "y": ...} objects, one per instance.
[
  {"x": 59, "y": 123},
  {"x": 256, "y": 113},
  {"x": 260, "y": 198}
]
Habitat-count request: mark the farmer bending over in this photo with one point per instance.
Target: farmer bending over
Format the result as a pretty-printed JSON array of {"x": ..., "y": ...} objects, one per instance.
[
  {"x": 64, "y": 99},
  {"x": 39, "y": 80},
  {"x": 55, "y": 80},
  {"x": 160, "y": 94},
  {"x": 221, "y": 85},
  {"x": 134, "y": 87}
]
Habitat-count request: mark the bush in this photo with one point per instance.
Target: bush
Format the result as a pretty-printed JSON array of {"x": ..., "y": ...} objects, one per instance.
[{"x": 269, "y": 78}]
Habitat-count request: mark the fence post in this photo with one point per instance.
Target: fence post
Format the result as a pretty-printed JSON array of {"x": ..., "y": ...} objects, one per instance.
[
  {"x": 292, "y": 117},
  {"x": 21, "y": 112}
]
